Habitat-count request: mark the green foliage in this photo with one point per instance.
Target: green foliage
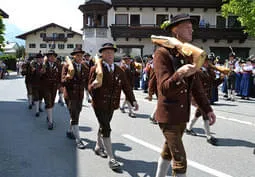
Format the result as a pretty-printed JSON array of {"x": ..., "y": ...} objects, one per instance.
[
  {"x": 20, "y": 52},
  {"x": 7, "y": 57},
  {"x": 245, "y": 10},
  {"x": 2, "y": 28},
  {"x": 165, "y": 24}
]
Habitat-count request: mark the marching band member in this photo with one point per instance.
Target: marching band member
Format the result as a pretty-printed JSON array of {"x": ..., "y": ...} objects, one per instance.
[
  {"x": 106, "y": 99},
  {"x": 176, "y": 80}
]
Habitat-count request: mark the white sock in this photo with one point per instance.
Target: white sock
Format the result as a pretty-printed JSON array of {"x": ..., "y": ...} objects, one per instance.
[
  {"x": 129, "y": 107},
  {"x": 191, "y": 123},
  {"x": 40, "y": 105},
  {"x": 99, "y": 143},
  {"x": 153, "y": 113},
  {"x": 180, "y": 175},
  {"x": 36, "y": 106},
  {"x": 49, "y": 114},
  {"x": 30, "y": 99},
  {"x": 163, "y": 167},
  {"x": 61, "y": 97},
  {"x": 123, "y": 104},
  {"x": 108, "y": 147},
  {"x": 207, "y": 128},
  {"x": 76, "y": 132}
]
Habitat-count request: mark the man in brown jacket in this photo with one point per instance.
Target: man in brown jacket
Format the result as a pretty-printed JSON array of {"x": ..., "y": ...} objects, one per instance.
[
  {"x": 128, "y": 67},
  {"x": 74, "y": 93},
  {"x": 176, "y": 80},
  {"x": 51, "y": 80},
  {"x": 106, "y": 99}
]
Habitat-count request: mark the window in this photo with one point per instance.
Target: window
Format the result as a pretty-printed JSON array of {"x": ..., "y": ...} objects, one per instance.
[
  {"x": 42, "y": 35},
  {"x": 121, "y": 19},
  {"x": 43, "y": 45},
  {"x": 135, "y": 20},
  {"x": 61, "y": 35},
  {"x": 220, "y": 22},
  {"x": 70, "y": 46},
  {"x": 233, "y": 22},
  {"x": 160, "y": 18},
  {"x": 32, "y": 45},
  {"x": 78, "y": 45},
  {"x": 89, "y": 20},
  {"x": 61, "y": 46},
  {"x": 70, "y": 35},
  {"x": 52, "y": 46}
]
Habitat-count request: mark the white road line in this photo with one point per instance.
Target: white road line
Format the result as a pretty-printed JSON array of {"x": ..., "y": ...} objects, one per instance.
[
  {"x": 190, "y": 162},
  {"x": 236, "y": 120},
  {"x": 221, "y": 117}
]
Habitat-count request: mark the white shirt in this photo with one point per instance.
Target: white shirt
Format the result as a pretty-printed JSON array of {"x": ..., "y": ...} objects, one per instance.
[{"x": 110, "y": 67}]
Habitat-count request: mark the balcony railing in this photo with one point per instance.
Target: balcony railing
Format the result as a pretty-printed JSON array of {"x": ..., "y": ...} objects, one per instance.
[
  {"x": 57, "y": 38},
  {"x": 145, "y": 31}
]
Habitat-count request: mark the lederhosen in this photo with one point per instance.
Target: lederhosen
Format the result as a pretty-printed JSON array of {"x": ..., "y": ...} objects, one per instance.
[
  {"x": 51, "y": 81},
  {"x": 37, "y": 89},
  {"x": 74, "y": 92}
]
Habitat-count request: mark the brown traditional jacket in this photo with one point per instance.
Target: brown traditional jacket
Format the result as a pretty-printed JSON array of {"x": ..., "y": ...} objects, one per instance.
[
  {"x": 130, "y": 73},
  {"x": 74, "y": 88},
  {"x": 36, "y": 78},
  {"x": 174, "y": 95},
  {"x": 27, "y": 72},
  {"x": 52, "y": 76},
  {"x": 152, "y": 83},
  {"x": 107, "y": 97}
]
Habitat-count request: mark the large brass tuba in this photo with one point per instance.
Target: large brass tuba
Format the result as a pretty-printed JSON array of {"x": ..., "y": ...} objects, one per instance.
[{"x": 186, "y": 49}]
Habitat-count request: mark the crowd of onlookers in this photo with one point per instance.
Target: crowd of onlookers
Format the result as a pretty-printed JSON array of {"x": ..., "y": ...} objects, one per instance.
[{"x": 3, "y": 70}]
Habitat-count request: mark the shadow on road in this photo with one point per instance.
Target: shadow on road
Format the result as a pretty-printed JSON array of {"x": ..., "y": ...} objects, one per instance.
[
  {"x": 28, "y": 148},
  {"x": 234, "y": 142}
]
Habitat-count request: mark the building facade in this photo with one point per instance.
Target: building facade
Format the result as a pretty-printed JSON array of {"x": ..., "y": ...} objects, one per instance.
[
  {"x": 129, "y": 24},
  {"x": 51, "y": 36}
]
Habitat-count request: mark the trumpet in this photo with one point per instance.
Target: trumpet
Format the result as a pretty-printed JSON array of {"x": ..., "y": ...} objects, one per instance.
[
  {"x": 185, "y": 49},
  {"x": 221, "y": 69}
]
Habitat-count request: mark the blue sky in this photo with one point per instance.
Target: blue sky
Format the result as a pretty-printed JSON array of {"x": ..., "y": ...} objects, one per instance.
[{"x": 26, "y": 15}]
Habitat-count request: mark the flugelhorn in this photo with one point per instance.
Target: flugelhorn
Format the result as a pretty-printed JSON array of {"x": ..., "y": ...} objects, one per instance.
[{"x": 186, "y": 49}]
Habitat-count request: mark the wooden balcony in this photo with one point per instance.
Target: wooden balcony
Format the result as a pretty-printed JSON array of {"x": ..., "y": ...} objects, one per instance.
[
  {"x": 51, "y": 38},
  {"x": 145, "y": 31}
]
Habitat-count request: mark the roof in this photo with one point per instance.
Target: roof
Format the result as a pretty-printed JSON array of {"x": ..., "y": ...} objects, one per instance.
[
  {"x": 96, "y": 4},
  {"x": 4, "y": 14},
  {"x": 10, "y": 45},
  {"x": 23, "y": 36},
  {"x": 168, "y": 3}
]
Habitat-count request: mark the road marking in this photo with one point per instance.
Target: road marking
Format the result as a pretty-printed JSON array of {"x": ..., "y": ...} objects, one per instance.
[
  {"x": 221, "y": 117},
  {"x": 190, "y": 162},
  {"x": 236, "y": 120}
]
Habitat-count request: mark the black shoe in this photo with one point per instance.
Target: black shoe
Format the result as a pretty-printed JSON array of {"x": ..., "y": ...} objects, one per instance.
[
  {"x": 113, "y": 164},
  {"x": 212, "y": 141},
  {"x": 80, "y": 145},
  {"x": 122, "y": 110},
  {"x": 40, "y": 110},
  {"x": 153, "y": 120},
  {"x": 225, "y": 96},
  {"x": 100, "y": 152},
  {"x": 37, "y": 114},
  {"x": 30, "y": 106},
  {"x": 70, "y": 135},
  {"x": 89, "y": 101},
  {"x": 50, "y": 126},
  {"x": 132, "y": 115},
  {"x": 190, "y": 132}
]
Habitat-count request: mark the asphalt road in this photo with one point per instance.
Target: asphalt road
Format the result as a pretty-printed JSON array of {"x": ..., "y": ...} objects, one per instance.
[{"x": 29, "y": 149}]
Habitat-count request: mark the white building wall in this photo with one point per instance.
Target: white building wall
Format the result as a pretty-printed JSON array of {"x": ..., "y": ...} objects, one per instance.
[{"x": 37, "y": 40}]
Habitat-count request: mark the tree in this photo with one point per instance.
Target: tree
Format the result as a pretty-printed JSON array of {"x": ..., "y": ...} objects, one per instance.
[
  {"x": 20, "y": 52},
  {"x": 2, "y": 28},
  {"x": 245, "y": 10}
]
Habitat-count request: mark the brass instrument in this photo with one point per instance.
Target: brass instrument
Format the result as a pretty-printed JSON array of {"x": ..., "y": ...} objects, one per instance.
[
  {"x": 99, "y": 73},
  {"x": 221, "y": 69},
  {"x": 186, "y": 49}
]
